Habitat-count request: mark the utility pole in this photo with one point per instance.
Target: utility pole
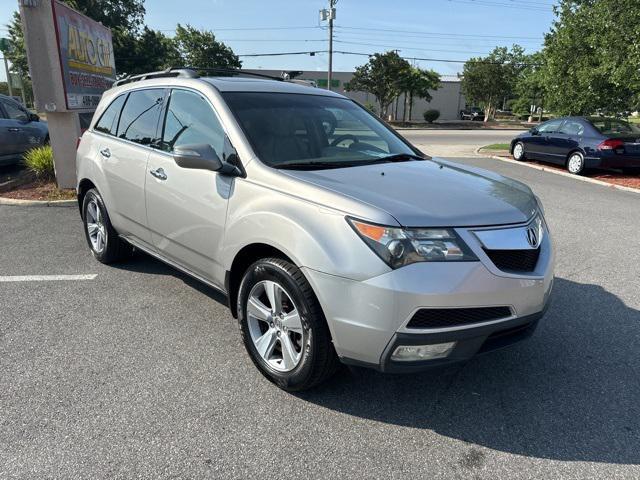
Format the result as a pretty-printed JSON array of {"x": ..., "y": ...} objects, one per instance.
[{"x": 330, "y": 15}]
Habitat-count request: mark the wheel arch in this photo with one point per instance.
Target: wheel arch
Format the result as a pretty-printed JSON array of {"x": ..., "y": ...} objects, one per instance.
[
  {"x": 84, "y": 186},
  {"x": 246, "y": 256}
]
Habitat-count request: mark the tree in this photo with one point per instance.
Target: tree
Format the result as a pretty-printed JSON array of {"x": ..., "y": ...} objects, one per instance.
[
  {"x": 488, "y": 80},
  {"x": 199, "y": 48},
  {"x": 530, "y": 88},
  {"x": 150, "y": 51},
  {"x": 417, "y": 83},
  {"x": 124, "y": 17},
  {"x": 381, "y": 76},
  {"x": 17, "y": 54},
  {"x": 592, "y": 60}
]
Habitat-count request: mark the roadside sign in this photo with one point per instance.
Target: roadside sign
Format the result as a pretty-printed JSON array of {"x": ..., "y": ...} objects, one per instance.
[{"x": 86, "y": 57}]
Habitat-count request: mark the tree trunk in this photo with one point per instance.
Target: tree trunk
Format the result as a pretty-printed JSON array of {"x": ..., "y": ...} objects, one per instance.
[
  {"x": 410, "y": 105},
  {"x": 395, "y": 114}
]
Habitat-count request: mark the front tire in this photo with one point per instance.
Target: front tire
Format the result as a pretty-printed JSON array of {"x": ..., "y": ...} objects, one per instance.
[
  {"x": 575, "y": 163},
  {"x": 283, "y": 327},
  {"x": 518, "y": 152},
  {"x": 104, "y": 242}
]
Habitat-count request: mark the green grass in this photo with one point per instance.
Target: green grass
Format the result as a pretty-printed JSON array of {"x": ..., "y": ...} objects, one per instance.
[
  {"x": 497, "y": 146},
  {"x": 40, "y": 161}
]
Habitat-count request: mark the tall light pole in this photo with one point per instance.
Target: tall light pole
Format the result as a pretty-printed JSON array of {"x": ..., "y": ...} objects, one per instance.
[{"x": 330, "y": 15}]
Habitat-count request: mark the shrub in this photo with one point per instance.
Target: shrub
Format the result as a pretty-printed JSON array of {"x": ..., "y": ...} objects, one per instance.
[
  {"x": 40, "y": 161},
  {"x": 431, "y": 115}
]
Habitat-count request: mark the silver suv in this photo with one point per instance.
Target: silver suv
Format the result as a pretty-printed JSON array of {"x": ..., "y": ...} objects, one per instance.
[{"x": 332, "y": 237}]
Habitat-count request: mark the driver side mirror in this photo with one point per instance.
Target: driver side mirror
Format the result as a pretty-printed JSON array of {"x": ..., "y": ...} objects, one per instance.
[
  {"x": 34, "y": 117},
  {"x": 197, "y": 156},
  {"x": 534, "y": 131}
]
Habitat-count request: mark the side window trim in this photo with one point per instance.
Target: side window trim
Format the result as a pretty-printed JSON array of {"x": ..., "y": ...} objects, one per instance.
[
  {"x": 3, "y": 114},
  {"x": 93, "y": 128}
]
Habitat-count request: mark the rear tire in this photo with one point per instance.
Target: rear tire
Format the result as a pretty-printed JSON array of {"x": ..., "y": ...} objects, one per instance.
[
  {"x": 283, "y": 327},
  {"x": 575, "y": 163},
  {"x": 518, "y": 152},
  {"x": 104, "y": 242}
]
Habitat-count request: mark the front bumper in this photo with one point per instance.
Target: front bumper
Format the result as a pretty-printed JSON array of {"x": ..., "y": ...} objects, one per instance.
[{"x": 368, "y": 319}]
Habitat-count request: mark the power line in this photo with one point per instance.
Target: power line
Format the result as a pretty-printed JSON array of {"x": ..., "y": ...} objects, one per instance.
[
  {"x": 317, "y": 27},
  {"x": 447, "y": 34},
  {"x": 401, "y": 47}
]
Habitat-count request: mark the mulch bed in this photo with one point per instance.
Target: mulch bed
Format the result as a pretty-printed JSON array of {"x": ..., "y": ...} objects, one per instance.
[
  {"x": 40, "y": 190},
  {"x": 609, "y": 176}
]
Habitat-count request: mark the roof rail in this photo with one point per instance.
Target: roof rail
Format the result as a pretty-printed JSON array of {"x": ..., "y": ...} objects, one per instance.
[
  {"x": 169, "y": 72},
  {"x": 233, "y": 71}
]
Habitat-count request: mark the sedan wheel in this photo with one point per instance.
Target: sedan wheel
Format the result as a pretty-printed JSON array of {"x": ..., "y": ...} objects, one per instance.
[
  {"x": 575, "y": 164},
  {"x": 518, "y": 151}
]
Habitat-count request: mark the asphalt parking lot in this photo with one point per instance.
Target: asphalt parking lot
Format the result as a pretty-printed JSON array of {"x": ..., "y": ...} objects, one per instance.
[{"x": 139, "y": 372}]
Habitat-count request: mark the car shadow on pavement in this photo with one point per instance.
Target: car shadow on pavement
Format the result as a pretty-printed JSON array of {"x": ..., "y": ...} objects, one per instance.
[
  {"x": 141, "y": 262},
  {"x": 569, "y": 393}
]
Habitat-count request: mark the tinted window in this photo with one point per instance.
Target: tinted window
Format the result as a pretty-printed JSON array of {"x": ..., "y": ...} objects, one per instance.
[
  {"x": 550, "y": 127},
  {"x": 191, "y": 120},
  {"x": 572, "y": 127},
  {"x": 612, "y": 126},
  {"x": 139, "y": 118},
  {"x": 108, "y": 123},
  {"x": 14, "y": 112},
  {"x": 286, "y": 129}
]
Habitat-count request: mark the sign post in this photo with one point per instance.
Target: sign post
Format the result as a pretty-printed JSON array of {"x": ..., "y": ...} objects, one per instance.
[{"x": 71, "y": 63}]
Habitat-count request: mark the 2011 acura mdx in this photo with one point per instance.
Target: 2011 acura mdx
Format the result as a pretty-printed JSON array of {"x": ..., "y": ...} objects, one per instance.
[{"x": 332, "y": 237}]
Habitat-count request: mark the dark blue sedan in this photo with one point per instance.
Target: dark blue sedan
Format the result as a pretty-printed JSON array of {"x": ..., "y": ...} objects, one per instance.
[{"x": 579, "y": 143}]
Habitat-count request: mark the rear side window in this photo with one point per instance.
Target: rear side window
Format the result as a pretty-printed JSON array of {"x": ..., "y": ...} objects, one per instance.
[
  {"x": 191, "y": 120},
  {"x": 108, "y": 123},
  {"x": 572, "y": 127},
  {"x": 550, "y": 127},
  {"x": 14, "y": 112},
  {"x": 139, "y": 119}
]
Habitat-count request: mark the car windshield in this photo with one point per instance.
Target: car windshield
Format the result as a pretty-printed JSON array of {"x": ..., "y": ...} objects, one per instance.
[
  {"x": 613, "y": 126},
  {"x": 313, "y": 131}
]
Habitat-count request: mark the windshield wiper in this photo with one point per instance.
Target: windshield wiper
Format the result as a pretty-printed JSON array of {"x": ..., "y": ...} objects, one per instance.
[
  {"x": 399, "y": 157},
  {"x": 317, "y": 165}
]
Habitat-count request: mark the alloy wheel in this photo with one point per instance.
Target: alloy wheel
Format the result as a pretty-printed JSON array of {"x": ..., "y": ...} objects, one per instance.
[
  {"x": 95, "y": 226},
  {"x": 275, "y": 326}
]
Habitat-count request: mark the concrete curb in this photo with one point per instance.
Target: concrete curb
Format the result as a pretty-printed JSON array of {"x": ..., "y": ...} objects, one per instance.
[
  {"x": 559, "y": 172},
  {"x": 38, "y": 203}
]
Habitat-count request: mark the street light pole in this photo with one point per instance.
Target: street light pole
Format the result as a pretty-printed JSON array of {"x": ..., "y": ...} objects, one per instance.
[{"x": 6, "y": 69}]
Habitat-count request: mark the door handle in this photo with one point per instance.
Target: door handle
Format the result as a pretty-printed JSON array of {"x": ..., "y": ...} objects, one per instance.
[
  {"x": 14, "y": 129},
  {"x": 158, "y": 173},
  {"x": 105, "y": 152}
]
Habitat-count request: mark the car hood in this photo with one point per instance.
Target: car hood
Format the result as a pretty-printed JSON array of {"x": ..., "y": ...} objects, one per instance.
[{"x": 430, "y": 193}]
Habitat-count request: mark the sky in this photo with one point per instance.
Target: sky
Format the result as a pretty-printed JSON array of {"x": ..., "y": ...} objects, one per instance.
[{"x": 430, "y": 30}]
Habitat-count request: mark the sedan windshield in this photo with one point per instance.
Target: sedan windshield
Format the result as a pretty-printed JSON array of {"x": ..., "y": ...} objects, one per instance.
[{"x": 313, "y": 131}]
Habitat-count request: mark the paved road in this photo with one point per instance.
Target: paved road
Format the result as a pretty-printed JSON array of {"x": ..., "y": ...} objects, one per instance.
[
  {"x": 140, "y": 373},
  {"x": 450, "y": 143}
]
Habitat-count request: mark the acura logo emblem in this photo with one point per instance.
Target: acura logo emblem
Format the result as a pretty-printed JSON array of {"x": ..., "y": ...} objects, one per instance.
[{"x": 532, "y": 237}]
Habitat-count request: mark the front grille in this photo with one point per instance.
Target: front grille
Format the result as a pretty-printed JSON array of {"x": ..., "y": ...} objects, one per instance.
[
  {"x": 514, "y": 260},
  {"x": 455, "y": 317}
]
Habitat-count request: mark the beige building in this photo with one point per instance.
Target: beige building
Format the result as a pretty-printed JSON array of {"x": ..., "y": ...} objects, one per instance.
[{"x": 448, "y": 99}]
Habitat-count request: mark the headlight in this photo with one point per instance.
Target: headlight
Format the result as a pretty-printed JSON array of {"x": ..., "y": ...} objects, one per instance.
[{"x": 399, "y": 247}]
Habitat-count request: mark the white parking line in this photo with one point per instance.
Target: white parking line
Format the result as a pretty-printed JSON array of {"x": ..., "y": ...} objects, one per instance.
[{"x": 45, "y": 278}]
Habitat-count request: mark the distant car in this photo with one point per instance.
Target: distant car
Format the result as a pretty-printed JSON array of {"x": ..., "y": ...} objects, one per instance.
[
  {"x": 580, "y": 143},
  {"x": 20, "y": 130},
  {"x": 473, "y": 113}
]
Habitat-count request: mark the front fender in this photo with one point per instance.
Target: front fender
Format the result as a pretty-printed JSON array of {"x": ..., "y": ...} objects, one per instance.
[{"x": 311, "y": 235}]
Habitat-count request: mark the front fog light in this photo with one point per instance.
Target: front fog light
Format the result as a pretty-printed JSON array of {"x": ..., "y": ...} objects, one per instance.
[{"x": 413, "y": 353}]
